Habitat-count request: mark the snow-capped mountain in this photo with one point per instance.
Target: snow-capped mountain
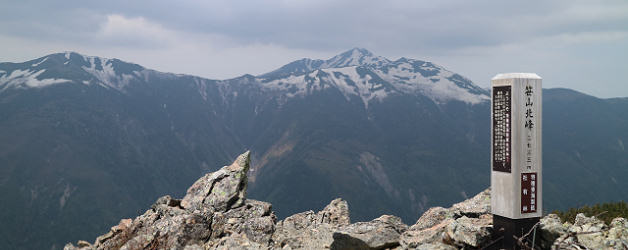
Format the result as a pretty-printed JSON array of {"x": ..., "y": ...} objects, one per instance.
[
  {"x": 70, "y": 67},
  {"x": 358, "y": 73}
]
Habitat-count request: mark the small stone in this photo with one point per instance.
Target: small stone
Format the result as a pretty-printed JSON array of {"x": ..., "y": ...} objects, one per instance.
[{"x": 82, "y": 244}]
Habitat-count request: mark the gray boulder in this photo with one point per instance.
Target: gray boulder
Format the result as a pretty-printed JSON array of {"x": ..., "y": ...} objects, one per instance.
[
  {"x": 549, "y": 229},
  {"x": 162, "y": 226},
  {"x": 465, "y": 224},
  {"x": 474, "y": 232},
  {"x": 220, "y": 190},
  {"x": 254, "y": 219},
  {"x": 309, "y": 230},
  {"x": 592, "y": 233},
  {"x": 380, "y": 233},
  {"x": 478, "y": 205},
  {"x": 428, "y": 229}
]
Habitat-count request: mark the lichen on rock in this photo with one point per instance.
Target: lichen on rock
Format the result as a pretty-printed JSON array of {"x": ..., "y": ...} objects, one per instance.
[{"x": 220, "y": 190}]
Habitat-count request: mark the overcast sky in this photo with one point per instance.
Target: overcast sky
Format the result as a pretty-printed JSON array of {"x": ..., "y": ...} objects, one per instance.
[{"x": 581, "y": 45}]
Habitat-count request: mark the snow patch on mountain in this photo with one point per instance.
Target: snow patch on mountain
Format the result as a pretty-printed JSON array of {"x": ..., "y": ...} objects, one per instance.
[
  {"x": 103, "y": 70},
  {"x": 350, "y": 82},
  {"x": 291, "y": 85},
  {"x": 37, "y": 64},
  {"x": 376, "y": 83},
  {"x": 201, "y": 85},
  {"x": 347, "y": 80},
  {"x": 311, "y": 64},
  {"x": 428, "y": 79},
  {"x": 27, "y": 79},
  {"x": 358, "y": 72}
]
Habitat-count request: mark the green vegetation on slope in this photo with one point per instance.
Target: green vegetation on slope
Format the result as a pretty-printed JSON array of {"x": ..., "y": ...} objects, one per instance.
[{"x": 605, "y": 211}]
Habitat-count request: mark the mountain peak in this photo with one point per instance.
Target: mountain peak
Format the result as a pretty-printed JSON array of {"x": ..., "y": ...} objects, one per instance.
[
  {"x": 357, "y": 51},
  {"x": 352, "y": 57},
  {"x": 67, "y": 67},
  {"x": 355, "y": 57}
]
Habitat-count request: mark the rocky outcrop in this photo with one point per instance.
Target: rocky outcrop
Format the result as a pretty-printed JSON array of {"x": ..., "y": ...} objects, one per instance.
[
  {"x": 220, "y": 190},
  {"x": 465, "y": 224},
  {"x": 380, "y": 233},
  {"x": 585, "y": 233},
  {"x": 309, "y": 230},
  {"x": 214, "y": 214}
]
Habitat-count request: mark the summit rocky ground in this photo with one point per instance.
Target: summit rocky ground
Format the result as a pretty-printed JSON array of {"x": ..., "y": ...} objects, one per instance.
[{"x": 215, "y": 214}]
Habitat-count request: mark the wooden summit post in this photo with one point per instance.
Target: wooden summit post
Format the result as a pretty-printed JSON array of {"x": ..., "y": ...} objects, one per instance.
[{"x": 516, "y": 156}]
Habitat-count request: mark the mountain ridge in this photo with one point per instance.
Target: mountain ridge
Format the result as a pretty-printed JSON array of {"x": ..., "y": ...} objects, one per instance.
[{"x": 356, "y": 72}]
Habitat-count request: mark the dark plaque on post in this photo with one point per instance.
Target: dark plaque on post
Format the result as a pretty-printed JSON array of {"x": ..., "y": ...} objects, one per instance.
[
  {"x": 501, "y": 129},
  {"x": 516, "y": 166},
  {"x": 528, "y": 193}
]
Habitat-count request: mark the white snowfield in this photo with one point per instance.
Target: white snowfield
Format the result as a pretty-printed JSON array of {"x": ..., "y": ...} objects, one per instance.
[
  {"x": 355, "y": 73},
  {"x": 107, "y": 76},
  {"x": 26, "y": 79}
]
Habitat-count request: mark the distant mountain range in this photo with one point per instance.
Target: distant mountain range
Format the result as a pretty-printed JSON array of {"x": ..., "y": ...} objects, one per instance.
[{"x": 87, "y": 140}]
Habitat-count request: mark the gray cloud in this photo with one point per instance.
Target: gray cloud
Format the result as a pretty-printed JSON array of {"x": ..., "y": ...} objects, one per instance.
[{"x": 220, "y": 39}]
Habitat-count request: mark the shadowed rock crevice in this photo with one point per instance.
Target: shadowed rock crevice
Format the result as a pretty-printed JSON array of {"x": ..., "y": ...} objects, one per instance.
[{"x": 214, "y": 214}]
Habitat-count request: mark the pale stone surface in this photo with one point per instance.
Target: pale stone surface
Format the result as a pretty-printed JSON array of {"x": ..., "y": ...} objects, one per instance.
[
  {"x": 309, "y": 230},
  {"x": 220, "y": 190},
  {"x": 473, "y": 232},
  {"x": 234, "y": 242},
  {"x": 436, "y": 246},
  {"x": 428, "y": 229},
  {"x": 550, "y": 228},
  {"x": 592, "y": 233},
  {"x": 380, "y": 233},
  {"x": 254, "y": 219},
  {"x": 465, "y": 224},
  {"x": 474, "y": 207}
]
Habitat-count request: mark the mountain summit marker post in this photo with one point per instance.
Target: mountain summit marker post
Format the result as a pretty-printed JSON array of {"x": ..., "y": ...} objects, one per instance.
[{"x": 516, "y": 155}]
